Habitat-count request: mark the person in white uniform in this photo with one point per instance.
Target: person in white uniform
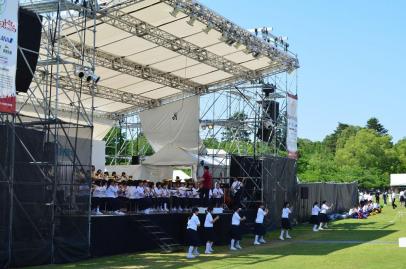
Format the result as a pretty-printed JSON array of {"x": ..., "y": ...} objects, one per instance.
[
  {"x": 323, "y": 215},
  {"x": 236, "y": 230},
  {"x": 285, "y": 223},
  {"x": 259, "y": 228},
  {"x": 314, "y": 219},
  {"x": 192, "y": 235},
  {"x": 209, "y": 229}
]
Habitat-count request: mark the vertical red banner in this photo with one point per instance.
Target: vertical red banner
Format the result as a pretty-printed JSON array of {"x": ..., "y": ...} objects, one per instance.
[{"x": 8, "y": 54}]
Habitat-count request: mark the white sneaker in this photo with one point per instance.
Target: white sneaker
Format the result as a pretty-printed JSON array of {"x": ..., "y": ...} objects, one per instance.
[
  {"x": 233, "y": 248},
  {"x": 98, "y": 213},
  {"x": 190, "y": 256},
  {"x": 196, "y": 253},
  {"x": 288, "y": 237},
  {"x": 315, "y": 230},
  {"x": 262, "y": 241},
  {"x": 238, "y": 247},
  {"x": 257, "y": 243},
  {"x": 207, "y": 252},
  {"x": 321, "y": 229},
  {"x": 281, "y": 238}
]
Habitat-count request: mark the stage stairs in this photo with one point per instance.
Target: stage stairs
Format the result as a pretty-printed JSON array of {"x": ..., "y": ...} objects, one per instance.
[{"x": 165, "y": 242}]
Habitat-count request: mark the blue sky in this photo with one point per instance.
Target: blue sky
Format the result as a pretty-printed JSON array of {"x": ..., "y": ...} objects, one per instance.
[{"x": 352, "y": 56}]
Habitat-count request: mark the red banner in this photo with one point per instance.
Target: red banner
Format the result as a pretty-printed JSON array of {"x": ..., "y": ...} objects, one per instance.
[{"x": 8, "y": 104}]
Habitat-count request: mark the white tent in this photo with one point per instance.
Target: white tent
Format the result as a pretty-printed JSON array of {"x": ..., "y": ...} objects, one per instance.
[{"x": 398, "y": 180}]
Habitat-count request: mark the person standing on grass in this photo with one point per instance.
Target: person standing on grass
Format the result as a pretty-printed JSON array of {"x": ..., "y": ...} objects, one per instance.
[
  {"x": 236, "y": 230},
  {"x": 323, "y": 215},
  {"x": 385, "y": 197},
  {"x": 209, "y": 230},
  {"x": 314, "y": 219},
  {"x": 377, "y": 194},
  {"x": 259, "y": 225},
  {"x": 207, "y": 183},
  {"x": 402, "y": 198},
  {"x": 192, "y": 235},
  {"x": 285, "y": 223},
  {"x": 393, "y": 199}
]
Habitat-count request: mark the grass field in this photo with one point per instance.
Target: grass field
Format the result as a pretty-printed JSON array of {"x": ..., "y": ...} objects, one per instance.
[{"x": 370, "y": 243}]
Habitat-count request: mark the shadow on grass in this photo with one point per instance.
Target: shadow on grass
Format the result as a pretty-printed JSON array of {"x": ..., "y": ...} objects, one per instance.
[{"x": 306, "y": 243}]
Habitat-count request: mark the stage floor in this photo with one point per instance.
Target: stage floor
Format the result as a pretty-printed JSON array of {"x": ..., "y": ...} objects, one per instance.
[{"x": 111, "y": 235}]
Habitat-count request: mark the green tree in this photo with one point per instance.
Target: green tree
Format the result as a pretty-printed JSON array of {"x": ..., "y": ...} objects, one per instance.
[
  {"x": 374, "y": 124},
  {"x": 400, "y": 149},
  {"x": 330, "y": 141}
]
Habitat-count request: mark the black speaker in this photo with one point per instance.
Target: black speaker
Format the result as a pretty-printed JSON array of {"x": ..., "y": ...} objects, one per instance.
[
  {"x": 29, "y": 40},
  {"x": 135, "y": 160},
  {"x": 271, "y": 109},
  {"x": 304, "y": 193},
  {"x": 265, "y": 134}
]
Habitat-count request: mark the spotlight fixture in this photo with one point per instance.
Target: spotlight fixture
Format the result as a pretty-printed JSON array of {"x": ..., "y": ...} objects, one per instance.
[
  {"x": 175, "y": 10},
  {"x": 208, "y": 28},
  {"x": 79, "y": 72},
  {"x": 90, "y": 76},
  {"x": 191, "y": 20},
  {"x": 255, "y": 54}
]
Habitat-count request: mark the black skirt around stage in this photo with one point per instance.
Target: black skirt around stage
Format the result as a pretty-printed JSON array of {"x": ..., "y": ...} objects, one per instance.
[
  {"x": 285, "y": 224},
  {"x": 192, "y": 237},
  {"x": 259, "y": 229},
  {"x": 235, "y": 232},
  {"x": 209, "y": 234},
  {"x": 315, "y": 220}
]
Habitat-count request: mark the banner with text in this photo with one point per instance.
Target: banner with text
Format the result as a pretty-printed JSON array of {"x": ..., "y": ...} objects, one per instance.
[
  {"x": 291, "y": 138},
  {"x": 8, "y": 54}
]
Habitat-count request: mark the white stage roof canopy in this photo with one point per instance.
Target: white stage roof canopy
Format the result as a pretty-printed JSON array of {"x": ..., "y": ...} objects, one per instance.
[{"x": 150, "y": 52}]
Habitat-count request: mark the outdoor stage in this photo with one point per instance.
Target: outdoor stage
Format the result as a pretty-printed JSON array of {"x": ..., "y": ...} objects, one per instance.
[{"x": 113, "y": 235}]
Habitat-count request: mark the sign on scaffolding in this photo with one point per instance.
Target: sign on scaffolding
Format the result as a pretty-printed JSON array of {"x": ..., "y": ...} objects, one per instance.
[
  {"x": 8, "y": 54},
  {"x": 291, "y": 138}
]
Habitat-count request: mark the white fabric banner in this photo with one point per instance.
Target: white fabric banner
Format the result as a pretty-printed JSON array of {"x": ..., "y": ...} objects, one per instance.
[
  {"x": 176, "y": 123},
  {"x": 291, "y": 138},
  {"x": 8, "y": 54}
]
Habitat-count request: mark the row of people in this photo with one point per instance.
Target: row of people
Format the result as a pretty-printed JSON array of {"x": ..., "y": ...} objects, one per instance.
[
  {"x": 144, "y": 196},
  {"x": 364, "y": 211},
  {"x": 193, "y": 223}
]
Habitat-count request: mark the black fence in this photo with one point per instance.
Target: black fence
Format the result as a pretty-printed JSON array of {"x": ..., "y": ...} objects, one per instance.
[
  {"x": 279, "y": 186},
  {"x": 343, "y": 196},
  {"x": 44, "y": 188}
]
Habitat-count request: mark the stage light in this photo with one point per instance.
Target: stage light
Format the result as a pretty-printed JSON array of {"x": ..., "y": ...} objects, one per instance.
[
  {"x": 90, "y": 76},
  {"x": 175, "y": 10},
  {"x": 79, "y": 72},
  {"x": 191, "y": 20},
  {"x": 255, "y": 54},
  {"x": 208, "y": 28}
]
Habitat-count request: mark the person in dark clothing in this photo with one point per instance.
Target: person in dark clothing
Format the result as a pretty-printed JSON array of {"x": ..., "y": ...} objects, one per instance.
[
  {"x": 377, "y": 194},
  {"x": 206, "y": 185}
]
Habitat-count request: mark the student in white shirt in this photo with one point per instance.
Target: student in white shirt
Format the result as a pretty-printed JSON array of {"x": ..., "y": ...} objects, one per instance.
[
  {"x": 236, "y": 230},
  {"x": 285, "y": 223},
  {"x": 393, "y": 199},
  {"x": 323, "y": 215},
  {"x": 195, "y": 195},
  {"x": 218, "y": 195},
  {"x": 314, "y": 219},
  {"x": 209, "y": 230},
  {"x": 112, "y": 197},
  {"x": 259, "y": 225},
  {"x": 402, "y": 198},
  {"x": 97, "y": 196},
  {"x": 166, "y": 195},
  {"x": 192, "y": 235}
]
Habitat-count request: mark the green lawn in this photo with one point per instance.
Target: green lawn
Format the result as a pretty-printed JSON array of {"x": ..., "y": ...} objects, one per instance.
[{"x": 370, "y": 243}]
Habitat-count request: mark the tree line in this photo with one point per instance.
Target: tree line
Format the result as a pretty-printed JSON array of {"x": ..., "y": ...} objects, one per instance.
[{"x": 365, "y": 154}]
